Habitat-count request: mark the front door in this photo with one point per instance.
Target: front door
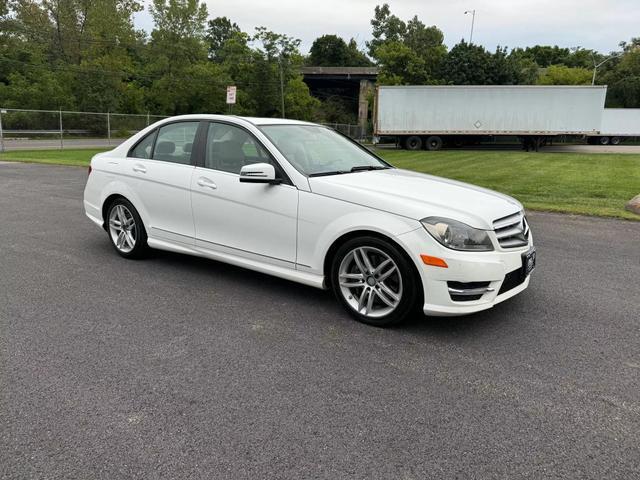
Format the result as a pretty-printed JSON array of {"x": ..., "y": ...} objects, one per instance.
[{"x": 252, "y": 220}]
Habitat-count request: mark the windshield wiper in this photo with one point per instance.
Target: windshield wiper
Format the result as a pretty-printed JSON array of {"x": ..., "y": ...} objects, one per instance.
[
  {"x": 359, "y": 168},
  {"x": 363, "y": 168},
  {"x": 322, "y": 174}
]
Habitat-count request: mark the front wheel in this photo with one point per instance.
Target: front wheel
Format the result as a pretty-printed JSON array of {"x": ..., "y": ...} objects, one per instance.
[
  {"x": 374, "y": 281},
  {"x": 126, "y": 230}
]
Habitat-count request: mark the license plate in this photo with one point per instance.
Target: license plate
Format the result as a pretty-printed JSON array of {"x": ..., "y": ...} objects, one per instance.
[{"x": 528, "y": 262}]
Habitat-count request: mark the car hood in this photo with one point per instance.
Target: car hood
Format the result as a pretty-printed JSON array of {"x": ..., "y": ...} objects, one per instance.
[{"x": 416, "y": 195}]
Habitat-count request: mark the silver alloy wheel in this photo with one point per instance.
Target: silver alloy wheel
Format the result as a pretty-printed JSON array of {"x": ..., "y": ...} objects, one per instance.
[
  {"x": 122, "y": 228},
  {"x": 370, "y": 282}
]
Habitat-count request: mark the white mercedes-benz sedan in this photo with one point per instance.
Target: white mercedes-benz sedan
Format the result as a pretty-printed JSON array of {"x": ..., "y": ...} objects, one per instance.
[{"x": 302, "y": 202}]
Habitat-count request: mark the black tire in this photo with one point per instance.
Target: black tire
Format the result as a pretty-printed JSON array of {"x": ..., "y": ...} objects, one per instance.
[
  {"x": 140, "y": 248},
  {"x": 413, "y": 143},
  {"x": 411, "y": 296},
  {"x": 603, "y": 140},
  {"x": 615, "y": 140},
  {"x": 433, "y": 143}
]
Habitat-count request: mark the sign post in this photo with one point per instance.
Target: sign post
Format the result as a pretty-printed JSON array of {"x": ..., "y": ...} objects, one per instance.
[
  {"x": 1, "y": 133},
  {"x": 231, "y": 96}
]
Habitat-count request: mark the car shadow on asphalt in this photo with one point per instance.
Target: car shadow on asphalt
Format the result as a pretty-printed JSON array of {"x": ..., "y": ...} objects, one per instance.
[{"x": 445, "y": 328}]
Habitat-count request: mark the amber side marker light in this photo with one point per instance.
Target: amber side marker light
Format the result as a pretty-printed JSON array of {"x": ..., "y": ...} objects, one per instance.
[{"x": 433, "y": 261}]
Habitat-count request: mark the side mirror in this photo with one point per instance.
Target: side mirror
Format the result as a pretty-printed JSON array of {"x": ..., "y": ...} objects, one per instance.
[{"x": 258, "y": 173}]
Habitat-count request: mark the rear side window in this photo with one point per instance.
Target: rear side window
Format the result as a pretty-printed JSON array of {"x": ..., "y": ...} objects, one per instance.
[
  {"x": 143, "y": 148},
  {"x": 175, "y": 142}
]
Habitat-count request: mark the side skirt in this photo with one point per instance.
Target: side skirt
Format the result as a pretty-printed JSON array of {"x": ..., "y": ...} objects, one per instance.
[{"x": 305, "y": 278}]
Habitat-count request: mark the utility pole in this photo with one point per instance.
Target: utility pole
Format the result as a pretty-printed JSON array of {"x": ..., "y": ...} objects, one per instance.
[
  {"x": 281, "y": 85},
  {"x": 473, "y": 21}
]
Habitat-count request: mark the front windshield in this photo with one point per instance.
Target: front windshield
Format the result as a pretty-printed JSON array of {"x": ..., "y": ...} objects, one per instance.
[{"x": 316, "y": 150}]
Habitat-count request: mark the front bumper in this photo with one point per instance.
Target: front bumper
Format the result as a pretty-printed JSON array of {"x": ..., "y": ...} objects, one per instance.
[{"x": 489, "y": 268}]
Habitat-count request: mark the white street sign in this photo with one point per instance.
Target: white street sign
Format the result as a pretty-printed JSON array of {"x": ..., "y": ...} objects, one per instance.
[{"x": 231, "y": 95}]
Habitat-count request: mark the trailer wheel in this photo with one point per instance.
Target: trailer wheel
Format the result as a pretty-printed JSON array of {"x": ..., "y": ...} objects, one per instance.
[
  {"x": 413, "y": 143},
  {"x": 434, "y": 143},
  {"x": 615, "y": 140},
  {"x": 603, "y": 140}
]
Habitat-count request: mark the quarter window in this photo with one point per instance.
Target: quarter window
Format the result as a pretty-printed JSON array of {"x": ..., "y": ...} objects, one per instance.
[
  {"x": 175, "y": 142},
  {"x": 143, "y": 148},
  {"x": 229, "y": 148}
]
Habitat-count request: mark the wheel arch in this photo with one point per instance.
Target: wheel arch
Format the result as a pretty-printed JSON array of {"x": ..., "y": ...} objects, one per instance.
[
  {"x": 338, "y": 242},
  {"x": 114, "y": 193}
]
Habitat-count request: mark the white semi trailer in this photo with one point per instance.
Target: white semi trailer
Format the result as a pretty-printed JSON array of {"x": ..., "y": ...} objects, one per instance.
[
  {"x": 617, "y": 125},
  {"x": 428, "y": 116}
]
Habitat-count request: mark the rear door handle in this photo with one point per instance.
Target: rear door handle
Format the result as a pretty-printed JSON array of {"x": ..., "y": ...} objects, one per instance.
[
  {"x": 139, "y": 168},
  {"x": 205, "y": 182}
]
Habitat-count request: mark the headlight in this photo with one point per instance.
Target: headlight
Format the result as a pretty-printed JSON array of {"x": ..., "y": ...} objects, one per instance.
[{"x": 457, "y": 235}]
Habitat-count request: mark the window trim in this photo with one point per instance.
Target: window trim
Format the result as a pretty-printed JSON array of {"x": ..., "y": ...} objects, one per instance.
[
  {"x": 280, "y": 172},
  {"x": 195, "y": 150}
]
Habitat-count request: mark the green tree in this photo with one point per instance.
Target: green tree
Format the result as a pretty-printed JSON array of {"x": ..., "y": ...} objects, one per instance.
[
  {"x": 407, "y": 52},
  {"x": 219, "y": 31},
  {"x": 333, "y": 51},
  {"x": 467, "y": 64},
  {"x": 622, "y": 75},
  {"x": 385, "y": 28},
  {"x": 298, "y": 101},
  {"x": 563, "y": 75}
]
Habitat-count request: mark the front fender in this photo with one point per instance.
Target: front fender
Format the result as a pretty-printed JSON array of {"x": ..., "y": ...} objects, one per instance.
[{"x": 323, "y": 220}]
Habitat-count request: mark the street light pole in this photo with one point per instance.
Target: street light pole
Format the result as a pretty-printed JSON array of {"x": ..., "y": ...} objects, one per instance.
[
  {"x": 473, "y": 21},
  {"x": 596, "y": 65},
  {"x": 281, "y": 85}
]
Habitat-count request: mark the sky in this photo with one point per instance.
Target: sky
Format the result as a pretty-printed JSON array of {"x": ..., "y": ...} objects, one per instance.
[{"x": 596, "y": 24}]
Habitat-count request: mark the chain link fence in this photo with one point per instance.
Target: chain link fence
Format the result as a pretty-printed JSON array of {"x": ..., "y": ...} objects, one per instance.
[
  {"x": 23, "y": 128},
  {"x": 28, "y": 129},
  {"x": 357, "y": 132}
]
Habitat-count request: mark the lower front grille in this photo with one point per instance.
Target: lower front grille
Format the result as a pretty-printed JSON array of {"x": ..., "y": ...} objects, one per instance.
[
  {"x": 511, "y": 281},
  {"x": 467, "y": 292}
]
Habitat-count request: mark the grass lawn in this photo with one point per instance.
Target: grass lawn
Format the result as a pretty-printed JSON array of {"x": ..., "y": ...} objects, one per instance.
[
  {"x": 590, "y": 184},
  {"x": 80, "y": 157}
]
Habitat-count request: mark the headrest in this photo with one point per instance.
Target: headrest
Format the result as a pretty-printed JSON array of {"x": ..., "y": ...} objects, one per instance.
[
  {"x": 165, "y": 148},
  {"x": 186, "y": 148}
]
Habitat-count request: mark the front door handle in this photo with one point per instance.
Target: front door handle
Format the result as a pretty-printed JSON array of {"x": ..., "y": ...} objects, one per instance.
[
  {"x": 139, "y": 168},
  {"x": 205, "y": 182}
]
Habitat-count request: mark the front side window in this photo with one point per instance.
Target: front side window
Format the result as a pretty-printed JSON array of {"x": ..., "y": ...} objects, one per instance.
[
  {"x": 229, "y": 148},
  {"x": 316, "y": 150},
  {"x": 175, "y": 142}
]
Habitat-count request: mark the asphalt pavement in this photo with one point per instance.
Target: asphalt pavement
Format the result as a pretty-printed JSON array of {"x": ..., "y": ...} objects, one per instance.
[{"x": 177, "y": 367}]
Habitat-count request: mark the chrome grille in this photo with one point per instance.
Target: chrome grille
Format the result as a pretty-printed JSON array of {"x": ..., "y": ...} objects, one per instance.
[{"x": 512, "y": 231}]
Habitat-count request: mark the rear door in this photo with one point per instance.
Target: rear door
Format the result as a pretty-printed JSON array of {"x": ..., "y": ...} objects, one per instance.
[{"x": 161, "y": 168}]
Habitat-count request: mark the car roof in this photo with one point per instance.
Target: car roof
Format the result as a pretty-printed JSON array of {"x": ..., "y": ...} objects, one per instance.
[{"x": 252, "y": 120}]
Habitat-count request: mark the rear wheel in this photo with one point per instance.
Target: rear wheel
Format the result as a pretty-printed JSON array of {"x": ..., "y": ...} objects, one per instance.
[
  {"x": 615, "y": 140},
  {"x": 434, "y": 143},
  {"x": 603, "y": 140},
  {"x": 413, "y": 142},
  {"x": 126, "y": 230},
  {"x": 374, "y": 281}
]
